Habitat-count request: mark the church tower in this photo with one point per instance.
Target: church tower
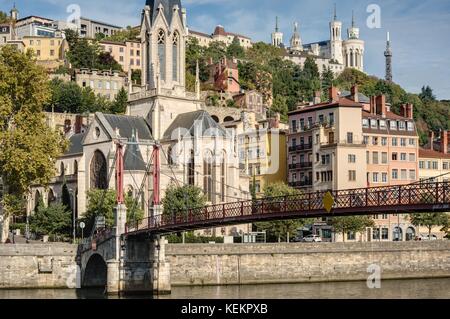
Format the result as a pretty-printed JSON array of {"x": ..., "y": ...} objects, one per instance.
[
  {"x": 353, "y": 48},
  {"x": 353, "y": 31},
  {"x": 336, "y": 39},
  {"x": 163, "y": 41},
  {"x": 296, "y": 40},
  {"x": 388, "y": 55},
  {"x": 14, "y": 13},
  {"x": 277, "y": 36}
]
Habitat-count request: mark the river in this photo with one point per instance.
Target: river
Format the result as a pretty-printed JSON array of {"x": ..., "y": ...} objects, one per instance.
[{"x": 390, "y": 289}]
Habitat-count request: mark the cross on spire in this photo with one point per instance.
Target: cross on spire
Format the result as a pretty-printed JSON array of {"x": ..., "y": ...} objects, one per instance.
[{"x": 353, "y": 18}]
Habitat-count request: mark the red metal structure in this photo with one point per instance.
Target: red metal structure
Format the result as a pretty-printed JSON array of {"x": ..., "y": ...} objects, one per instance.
[
  {"x": 409, "y": 199},
  {"x": 156, "y": 175}
]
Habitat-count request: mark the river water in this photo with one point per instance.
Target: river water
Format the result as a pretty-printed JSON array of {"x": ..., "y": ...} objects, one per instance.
[{"x": 390, "y": 289}]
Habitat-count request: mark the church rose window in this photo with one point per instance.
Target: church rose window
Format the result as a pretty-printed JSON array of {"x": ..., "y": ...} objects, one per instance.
[
  {"x": 162, "y": 53},
  {"x": 98, "y": 171}
]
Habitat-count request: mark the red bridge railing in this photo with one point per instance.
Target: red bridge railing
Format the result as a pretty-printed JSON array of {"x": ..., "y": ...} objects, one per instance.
[{"x": 365, "y": 201}]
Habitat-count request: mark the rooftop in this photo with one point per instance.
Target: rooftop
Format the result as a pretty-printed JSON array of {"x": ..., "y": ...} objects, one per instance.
[{"x": 428, "y": 153}]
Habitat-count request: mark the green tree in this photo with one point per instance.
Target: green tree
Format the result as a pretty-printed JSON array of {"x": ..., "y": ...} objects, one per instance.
[
  {"x": 235, "y": 50},
  {"x": 53, "y": 220},
  {"x": 180, "y": 199},
  {"x": 136, "y": 77},
  {"x": 429, "y": 220},
  {"x": 119, "y": 106},
  {"x": 129, "y": 34},
  {"x": 28, "y": 147},
  {"x": 354, "y": 224},
  {"x": 105, "y": 61},
  {"x": 327, "y": 82},
  {"x": 4, "y": 17},
  {"x": 278, "y": 230},
  {"x": 427, "y": 94}
]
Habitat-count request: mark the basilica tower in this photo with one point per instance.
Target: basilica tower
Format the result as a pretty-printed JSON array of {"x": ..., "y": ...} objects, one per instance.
[
  {"x": 353, "y": 48},
  {"x": 336, "y": 39},
  {"x": 163, "y": 39},
  {"x": 277, "y": 36},
  {"x": 296, "y": 40}
]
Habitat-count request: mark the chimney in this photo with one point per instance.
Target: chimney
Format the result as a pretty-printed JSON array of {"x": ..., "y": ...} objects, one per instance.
[
  {"x": 317, "y": 97},
  {"x": 431, "y": 140},
  {"x": 444, "y": 142},
  {"x": 334, "y": 97},
  {"x": 372, "y": 105},
  {"x": 381, "y": 105},
  {"x": 354, "y": 93},
  {"x": 410, "y": 111},
  {"x": 403, "y": 110}
]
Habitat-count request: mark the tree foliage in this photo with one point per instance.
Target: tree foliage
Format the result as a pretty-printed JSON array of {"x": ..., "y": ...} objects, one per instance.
[
  {"x": 28, "y": 147},
  {"x": 180, "y": 199},
  {"x": 129, "y": 34},
  {"x": 430, "y": 220},
  {"x": 277, "y": 230},
  {"x": 55, "y": 219},
  {"x": 354, "y": 224},
  {"x": 4, "y": 17}
]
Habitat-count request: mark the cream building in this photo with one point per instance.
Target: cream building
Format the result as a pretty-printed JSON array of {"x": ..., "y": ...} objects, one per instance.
[
  {"x": 220, "y": 35},
  {"x": 104, "y": 83},
  {"x": 90, "y": 28},
  {"x": 128, "y": 54},
  {"x": 50, "y": 52}
]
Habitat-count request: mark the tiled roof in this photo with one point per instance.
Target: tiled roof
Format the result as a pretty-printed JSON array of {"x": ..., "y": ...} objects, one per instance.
[
  {"x": 126, "y": 123},
  {"x": 343, "y": 102},
  {"x": 75, "y": 144},
  {"x": 428, "y": 153}
]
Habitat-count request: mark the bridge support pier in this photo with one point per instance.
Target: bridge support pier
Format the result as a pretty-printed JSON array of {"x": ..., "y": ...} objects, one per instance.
[
  {"x": 160, "y": 268},
  {"x": 113, "y": 277}
]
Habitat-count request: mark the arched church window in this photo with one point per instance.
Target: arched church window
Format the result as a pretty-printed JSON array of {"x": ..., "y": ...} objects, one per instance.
[
  {"x": 170, "y": 156},
  {"x": 37, "y": 200},
  {"x": 162, "y": 53},
  {"x": 208, "y": 176},
  {"x": 191, "y": 169},
  {"x": 62, "y": 169},
  {"x": 75, "y": 168},
  {"x": 175, "y": 54},
  {"x": 51, "y": 197},
  {"x": 223, "y": 178},
  {"x": 98, "y": 171}
]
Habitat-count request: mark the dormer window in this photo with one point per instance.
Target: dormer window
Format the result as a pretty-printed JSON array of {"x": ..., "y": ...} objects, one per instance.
[
  {"x": 382, "y": 124},
  {"x": 373, "y": 124},
  {"x": 410, "y": 126},
  {"x": 393, "y": 125},
  {"x": 365, "y": 123},
  {"x": 401, "y": 126}
]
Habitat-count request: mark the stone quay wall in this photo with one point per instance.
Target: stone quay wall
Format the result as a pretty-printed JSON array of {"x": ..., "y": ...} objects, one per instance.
[
  {"x": 193, "y": 265},
  {"x": 38, "y": 266}
]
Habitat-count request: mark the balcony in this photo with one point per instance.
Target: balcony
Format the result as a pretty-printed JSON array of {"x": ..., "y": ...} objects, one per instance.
[
  {"x": 353, "y": 143},
  {"x": 304, "y": 183},
  {"x": 301, "y": 165},
  {"x": 311, "y": 126},
  {"x": 301, "y": 147}
]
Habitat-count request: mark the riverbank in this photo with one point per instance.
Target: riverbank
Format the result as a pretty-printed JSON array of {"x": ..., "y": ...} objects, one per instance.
[{"x": 54, "y": 265}]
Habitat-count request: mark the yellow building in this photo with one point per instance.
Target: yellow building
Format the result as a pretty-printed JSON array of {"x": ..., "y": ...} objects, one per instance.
[
  {"x": 262, "y": 149},
  {"x": 127, "y": 54},
  {"x": 50, "y": 52}
]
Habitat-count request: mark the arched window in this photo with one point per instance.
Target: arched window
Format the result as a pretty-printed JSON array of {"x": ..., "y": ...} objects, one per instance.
[
  {"x": 208, "y": 176},
  {"x": 51, "y": 197},
  {"x": 191, "y": 169},
  {"x": 75, "y": 168},
  {"x": 223, "y": 177},
  {"x": 162, "y": 54},
  {"x": 98, "y": 171},
  {"x": 62, "y": 169},
  {"x": 175, "y": 54},
  {"x": 170, "y": 156},
  {"x": 37, "y": 199}
]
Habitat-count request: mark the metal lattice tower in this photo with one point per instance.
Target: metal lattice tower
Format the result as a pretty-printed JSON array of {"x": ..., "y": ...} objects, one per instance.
[{"x": 388, "y": 55}]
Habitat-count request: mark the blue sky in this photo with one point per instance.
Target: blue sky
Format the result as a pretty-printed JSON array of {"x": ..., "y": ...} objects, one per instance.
[{"x": 420, "y": 29}]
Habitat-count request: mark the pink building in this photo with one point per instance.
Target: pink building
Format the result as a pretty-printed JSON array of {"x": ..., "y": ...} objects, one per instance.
[{"x": 224, "y": 75}]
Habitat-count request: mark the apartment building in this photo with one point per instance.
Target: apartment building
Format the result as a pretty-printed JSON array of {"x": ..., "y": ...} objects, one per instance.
[
  {"x": 128, "y": 54},
  {"x": 104, "y": 83},
  {"x": 5, "y": 33},
  {"x": 50, "y": 52},
  {"x": 224, "y": 75},
  {"x": 252, "y": 101},
  {"x": 261, "y": 147},
  {"x": 434, "y": 159},
  {"x": 90, "y": 28},
  {"x": 353, "y": 142}
]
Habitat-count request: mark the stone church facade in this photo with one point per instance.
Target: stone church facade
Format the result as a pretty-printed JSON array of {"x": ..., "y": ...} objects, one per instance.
[{"x": 195, "y": 149}]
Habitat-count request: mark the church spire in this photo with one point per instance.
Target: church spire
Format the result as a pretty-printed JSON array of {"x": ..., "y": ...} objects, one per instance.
[
  {"x": 388, "y": 55},
  {"x": 353, "y": 18}
]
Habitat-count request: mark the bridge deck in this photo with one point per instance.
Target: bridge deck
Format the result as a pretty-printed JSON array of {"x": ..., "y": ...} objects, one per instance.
[{"x": 416, "y": 198}]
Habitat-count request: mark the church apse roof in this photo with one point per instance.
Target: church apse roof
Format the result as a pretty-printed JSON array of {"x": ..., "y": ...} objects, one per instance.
[
  {"x": 195, "y": 122},
  {"x": 126, "y": 124}
]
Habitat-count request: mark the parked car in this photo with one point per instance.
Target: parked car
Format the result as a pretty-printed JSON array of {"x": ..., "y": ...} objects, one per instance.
[
  {"x": 312, "y": 239},
  {"x": 426, "y": 237}
]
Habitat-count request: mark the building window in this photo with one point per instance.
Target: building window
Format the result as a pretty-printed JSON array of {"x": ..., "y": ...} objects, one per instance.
[
  {"x": 368, "y": 157},
  {"x": 394, "y": 141},
  {"x": 445, "y": 165},
  {"x": 365, "y": 140},
  {"x": 365, "y": 123},
  {"x": 403, "y": 141},
  {"x": 401, "y": 126},
  {"x": 352, "y": 176},
  {"x": 52, "y": 52},
  {"x": 395, "y": 174},
  {"x": 374, "y": 140},
  {"x": 394, "y": 156},
  {"x": 350, "y": 138},
  {"x": 376, "y": 234},
  {"x": 412, "y": 175},
  {"x": 175, "y": 54},
  {"x": 162, "y": 54},
  {"x": 385, "y": 234},
  {"x": 352, "y": 158},
  {"x": 384, "y": 141},
  {"x": 384, "y": 158},
  {"x": 351, "y": 235},
  {"x": 375, "y": 177},
  {"x": 403, "y": 157},
  {"x": 191, "y": 169},
  {"x": 373, "y": 124},
  {"x": 435, "y": 165},
  {"x": 422, "y": 165},
  {"x": 384, "y": 177},
  {"x": 412, "y": 157},
  {"x": 294, "y": 126},
  {"x": 404, "y": 174},
  {"x": 208, "y": 176},
  {"x": 375, "y": 158},
  {"x": 382, "y": 124}
]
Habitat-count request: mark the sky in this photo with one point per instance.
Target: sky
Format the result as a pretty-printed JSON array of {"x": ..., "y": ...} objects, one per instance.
[{"x": 420, "y": 29}]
